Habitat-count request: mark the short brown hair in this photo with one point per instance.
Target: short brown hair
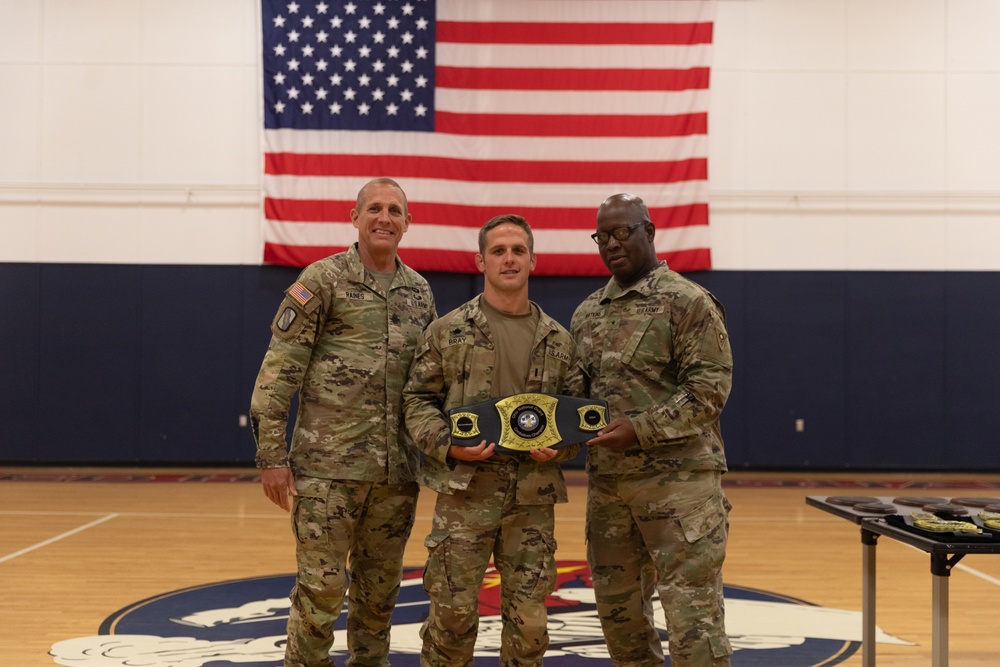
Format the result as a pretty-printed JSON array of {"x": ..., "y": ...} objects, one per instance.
[{"x": 506, "y": 219}]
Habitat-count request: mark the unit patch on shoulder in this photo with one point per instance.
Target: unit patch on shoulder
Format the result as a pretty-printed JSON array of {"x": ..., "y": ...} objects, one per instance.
[
  {"x": 299, "y": 292},
  {"x": 284, "y": 321}
]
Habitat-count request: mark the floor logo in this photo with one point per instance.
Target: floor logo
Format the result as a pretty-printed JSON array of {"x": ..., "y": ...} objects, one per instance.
[{"x": 243, "y": 623}]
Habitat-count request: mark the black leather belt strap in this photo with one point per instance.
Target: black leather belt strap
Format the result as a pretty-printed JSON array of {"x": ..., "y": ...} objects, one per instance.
[{"x": 523, "y": 422}]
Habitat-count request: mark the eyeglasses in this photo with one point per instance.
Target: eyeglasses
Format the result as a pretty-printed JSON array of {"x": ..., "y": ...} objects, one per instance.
[{"x": 620, "y": 233}]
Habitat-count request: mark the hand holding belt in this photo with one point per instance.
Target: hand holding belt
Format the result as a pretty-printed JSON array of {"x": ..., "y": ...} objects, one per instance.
[{"x": 523, "y": 422}]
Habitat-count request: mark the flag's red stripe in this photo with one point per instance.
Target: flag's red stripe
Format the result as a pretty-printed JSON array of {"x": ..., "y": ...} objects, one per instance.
[
  {"x": 454, "y": 261},
  {"x": 468, "y": 32},
  {"x": 297, "y": 255},
  {"x": 320, "y": 211},
  {"x": 540, "y": 125},
  {"x": 696, "y": 259},
  {"x": 498, "y": 171},
  {"x": 483, "y": 78}
]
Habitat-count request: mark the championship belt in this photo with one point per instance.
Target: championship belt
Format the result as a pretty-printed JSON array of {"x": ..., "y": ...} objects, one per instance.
[
  {"x": 990, "y": 519},
  {"x": 523, "y": 422},
  {"x": 935, "y": 524}
]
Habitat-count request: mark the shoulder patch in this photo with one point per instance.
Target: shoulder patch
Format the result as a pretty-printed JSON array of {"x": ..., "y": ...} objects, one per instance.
[
  {"x": 284, "y": 321},
  {"x": 299, "y": 292}
]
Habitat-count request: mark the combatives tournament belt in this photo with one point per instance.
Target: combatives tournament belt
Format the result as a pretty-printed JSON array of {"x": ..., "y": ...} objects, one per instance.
[
  {"x": 523, "y": 422},
  {"x": 935, "y": 524}
]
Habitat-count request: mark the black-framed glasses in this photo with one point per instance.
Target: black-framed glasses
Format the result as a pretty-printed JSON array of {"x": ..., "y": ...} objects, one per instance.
[{"x": 620, "y": 233}]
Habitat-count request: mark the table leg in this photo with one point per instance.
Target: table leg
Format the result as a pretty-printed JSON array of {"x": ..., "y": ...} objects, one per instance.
[
  {"x": 941, "y": 565},
  {"x": 869, "y": 541},
  {"x": 939, "y": 625}
]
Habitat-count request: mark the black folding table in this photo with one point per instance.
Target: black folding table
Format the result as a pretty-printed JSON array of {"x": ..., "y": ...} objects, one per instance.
[{"x": 945, "y": 552}]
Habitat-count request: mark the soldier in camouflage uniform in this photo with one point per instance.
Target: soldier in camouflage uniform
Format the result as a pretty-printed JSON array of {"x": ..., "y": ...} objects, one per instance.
[
  {"x": 489, "y": 503},
  {"x": 343, "y": 338},
  {"x": 654, "y": 345}
]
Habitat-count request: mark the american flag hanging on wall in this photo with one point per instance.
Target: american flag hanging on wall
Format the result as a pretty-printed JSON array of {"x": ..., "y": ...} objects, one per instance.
[{"x": 479, "y": 107}]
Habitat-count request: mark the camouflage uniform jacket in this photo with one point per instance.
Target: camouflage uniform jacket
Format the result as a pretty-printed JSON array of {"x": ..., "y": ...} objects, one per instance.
[
  {"x": 453, "y": 366},
  {"x": 659, "y": 353},
  {"x": 345, "y": 346}
]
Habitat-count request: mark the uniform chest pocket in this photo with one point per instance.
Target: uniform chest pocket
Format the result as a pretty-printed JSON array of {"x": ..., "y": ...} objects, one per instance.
[{"x": 632, "y": 344}]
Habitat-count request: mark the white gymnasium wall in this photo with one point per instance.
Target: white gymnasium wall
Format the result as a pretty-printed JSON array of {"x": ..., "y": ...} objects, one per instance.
[
  {"x": 845, "y": 134},
  {"x": 129, "y": 131},
  {"x": 856, "y": 135}
]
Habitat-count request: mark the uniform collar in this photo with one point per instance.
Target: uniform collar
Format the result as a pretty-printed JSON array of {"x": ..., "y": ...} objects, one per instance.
[
  {"x": 474, "y": 313},
  {"x": 643, "y": 286},
  {"x": 356, "y": 270}
]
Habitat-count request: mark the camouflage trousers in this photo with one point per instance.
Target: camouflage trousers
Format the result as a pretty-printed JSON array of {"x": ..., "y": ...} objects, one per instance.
[
  {"x": 664, "y": 533},
  {"x": 341, "y": 527},
  {"x": 469, "y": 527}
]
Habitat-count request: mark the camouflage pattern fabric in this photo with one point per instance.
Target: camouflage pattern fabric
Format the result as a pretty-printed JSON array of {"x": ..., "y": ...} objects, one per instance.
[
  {"x": 470, "y": 526},
  {"x": 501, "y": 507},
  {"x": 659, "y": 353},
  {"x": 665, "y": 532},
  {"x": 372, "y": 522},
  {"x": 346, "y": 346},
  {"x": 453, "y": 366}
]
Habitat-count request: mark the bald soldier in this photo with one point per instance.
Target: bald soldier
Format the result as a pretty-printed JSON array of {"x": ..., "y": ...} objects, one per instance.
[
  {"x": 654, "y": 345},
  {"x": 343, "y": 339}
]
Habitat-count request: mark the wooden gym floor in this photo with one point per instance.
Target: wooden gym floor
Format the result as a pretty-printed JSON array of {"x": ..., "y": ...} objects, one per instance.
[{"x": 79, "y": 544}]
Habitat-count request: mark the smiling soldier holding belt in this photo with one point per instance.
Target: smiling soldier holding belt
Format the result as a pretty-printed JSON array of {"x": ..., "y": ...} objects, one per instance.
[{"x": 490, "y": 503}]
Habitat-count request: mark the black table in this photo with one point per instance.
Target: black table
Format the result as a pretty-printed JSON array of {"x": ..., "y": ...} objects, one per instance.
[{"x": 944, "y": 554}]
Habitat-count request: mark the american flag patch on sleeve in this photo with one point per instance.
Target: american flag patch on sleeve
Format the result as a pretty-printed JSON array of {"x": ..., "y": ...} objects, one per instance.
[{"x": 299, "y": 292}]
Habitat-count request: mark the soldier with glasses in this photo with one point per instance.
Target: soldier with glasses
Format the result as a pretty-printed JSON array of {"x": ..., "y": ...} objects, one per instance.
[{"x": 654, "y": 345}]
